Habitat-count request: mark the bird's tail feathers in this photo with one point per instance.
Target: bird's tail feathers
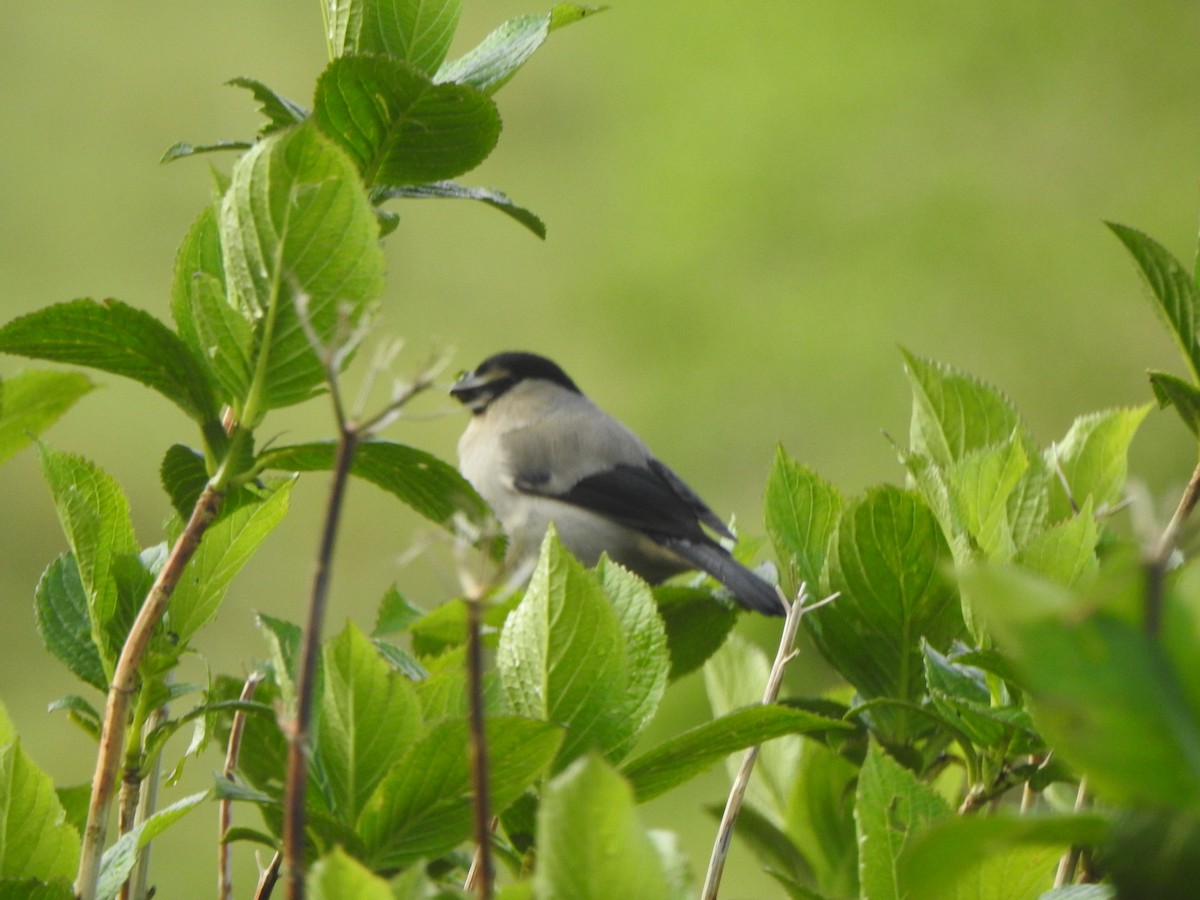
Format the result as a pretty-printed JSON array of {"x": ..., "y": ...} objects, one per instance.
[{"x": 750, "y": 591}]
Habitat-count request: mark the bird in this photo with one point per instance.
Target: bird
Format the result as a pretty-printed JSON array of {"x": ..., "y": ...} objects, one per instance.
[{"x": 541, "y": 453}]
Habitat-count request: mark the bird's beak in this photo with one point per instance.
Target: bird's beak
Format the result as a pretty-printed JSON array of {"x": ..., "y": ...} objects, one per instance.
[{"x": 472, "y": 390}]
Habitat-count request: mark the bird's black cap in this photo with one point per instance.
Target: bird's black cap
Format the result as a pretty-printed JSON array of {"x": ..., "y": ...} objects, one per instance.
[{"x": 501, "y": 372}]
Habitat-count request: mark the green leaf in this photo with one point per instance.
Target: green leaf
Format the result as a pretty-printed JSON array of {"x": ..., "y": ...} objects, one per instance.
[
  {"x": 36, "y": 889},
  {"x": 30, "y": 402},
  {"x": 1093, "y": 458},
  {"x": 398, "y": 126},
  {"x": 416, "y": 31},
  {"x": 284, "y": 639},
  {"x": 888, "y": 562},
  {"x": 961, "y": 694},
  {"x": 892, "y": 807},
  {"x": 820, "y": 818},
  {"x": 686, "y": 755},
  {"x": 431, "y": 487},
  {"x": 647, "y": 660},
  {"x": 562, "y": 657},
  {"x": 226, "y": 546},
  {"x": 802, "y": 511},
  {"x": 580, "y": 864},
  {"x": 297, "y": 231},
  {"x": 495, "y": 60},
  {"x": 696, "y": 624},
  {"x": 1183, "y": 395},
  {"x": 422, "y": 808},
  {"x": 982, "y": 482},
  {"x": 1172, "y": 288},
  {"x": 217, "y": 331},
  {"x": 449, "y": 190},
  {"x": 116, "y": 338},
  {"x": 279, "y": 111},
  {"x": 184, "y": 476},
  {"x": 445, "y": 627},
  {"x": 8, "y": 734},
  {"x": 95, "y": 518},
  {"x": 1098, "y": 685},
  {"x": 75, "y": 800},
  {"x": 337, "y": 876},
  {"x": 1067, "y": 551},
  {"x": 396, "y": 613},
  {"x": 119, "y": 859},
  {"x": 997, "y": 857},
  {"x": 61, "y": 612},
  {"x": 400, "y": 660},
  {"x": 953, "y": 412},
  {"x": 370, "y": 717},
  {"x": 182, "y": 149},
  {"x": 35, "y": 841}
]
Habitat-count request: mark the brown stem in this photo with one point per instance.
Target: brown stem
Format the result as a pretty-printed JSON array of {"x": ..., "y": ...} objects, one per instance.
[
  {"x": 1156, "y": 566},
  {"x": 301, "y": 728},
  {"x": 225, "y": 810},
  {"x": 266, "y": 881},
  {"x": 483, "y": 871},
  {"x": 124, "y": 686}
]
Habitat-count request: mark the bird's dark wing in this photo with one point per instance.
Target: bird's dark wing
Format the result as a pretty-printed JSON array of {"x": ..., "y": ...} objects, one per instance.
[{"x": 639, "y": 497}]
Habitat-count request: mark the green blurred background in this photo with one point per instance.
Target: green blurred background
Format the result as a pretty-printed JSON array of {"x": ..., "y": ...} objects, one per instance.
[{"x": 750, "y": 206}]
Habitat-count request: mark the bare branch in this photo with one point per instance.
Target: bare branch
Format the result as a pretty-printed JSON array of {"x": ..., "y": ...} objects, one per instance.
[{"x": 225, "y": 810}]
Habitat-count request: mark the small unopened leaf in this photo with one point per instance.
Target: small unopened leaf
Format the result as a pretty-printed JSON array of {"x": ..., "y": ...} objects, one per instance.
[
  {"x": 398, "y": 126},
  {"x": 495, "y": 60},
  {"x": 30, "y": 402},
  {"x": 114, "y": 337},
  {"x": 612, "y": 857}
]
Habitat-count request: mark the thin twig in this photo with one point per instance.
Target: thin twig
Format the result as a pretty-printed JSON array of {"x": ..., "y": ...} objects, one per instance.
[
  {"x": 301, "y": 727},
  {"x": 716, "y": 863},
  {"x": 268, "y": 878},
  {"x": 1070, "y": 859},
  {"x": 484, "y": 874},
  {"x": 124, "y": 686},
  {"x": 225, "y": 809},
  {"x": 139, "y": 879},
  {"x": 470, "y": 883},
  {"x": 1160, "y": 558}
]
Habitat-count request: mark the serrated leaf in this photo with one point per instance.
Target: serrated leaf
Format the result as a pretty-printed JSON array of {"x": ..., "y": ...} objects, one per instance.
[
  {"x": 422, "y": 808},
  {"x": 370, "y": 717},
  {"x": 61, "y": 613},
  {"x": 696, "y": 626},
  {"x": 1183, "y": 395},
  {"x": 279, "y": 111},
  {"x": 430, "y": 486},
  {"x": 647, "y": 660},
  {"x": 35, "y": 841},
  {"x": 562, "y": 656},
  {"x": 284, "y": 640},
  {"x": 30, "y": 402},
  {"x": 445, "y": 627},
  {"x": 961, "y": 694},
  {"x": 118, "y": 860},
  {"x": 892, "y": 807},
  {"x": 216, "y": 330},
  {"x": 114, "y": 337},
  {"x": 416, "y": 31},
  {"x": 1172, "y": 288},
  {"x": 337, "y": 876},
  {"x": 983, "y": 481},
  {"x": 1098, "y": 685},
  {"x": 1093, "y": 458},
  {"x": 575, "y": 866},
  {"x": 994, "y": 857},
  {"x": 1066, "y": 551},
  {"x": 686, "y": 755},
  {"x": 398, "y": 126},
  {"x": 95, "y": 517},
  {"x": 297, "y": 230},
  {"x": 888, "y": 562},
  {"x": 449, "y": 190},
  {"x": 227, "y": 545},
  {"x": 802, "y": 511},
  {"x": 496, "y": 59},
  {"x": 396, "y": 612},
  {"x": 400, "y": 660},
  {"x": 953, "y": 412}
]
